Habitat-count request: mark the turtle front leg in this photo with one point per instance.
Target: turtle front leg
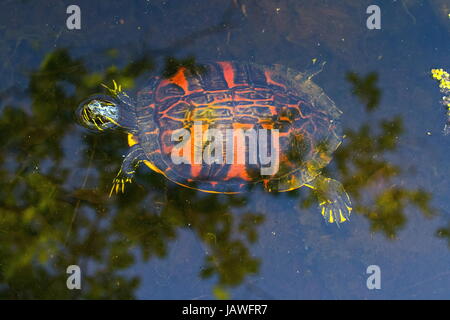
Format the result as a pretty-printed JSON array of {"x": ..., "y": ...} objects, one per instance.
[
  {"x": 334, "y": 201},
  {"x": 129, "y": 165}
]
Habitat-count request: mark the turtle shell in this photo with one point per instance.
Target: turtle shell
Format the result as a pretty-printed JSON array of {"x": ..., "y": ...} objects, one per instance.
[{"x": 232, "y": 95}]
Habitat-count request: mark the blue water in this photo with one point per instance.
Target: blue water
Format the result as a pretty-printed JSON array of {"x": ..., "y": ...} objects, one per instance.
[{"x": 161, "y": 241}]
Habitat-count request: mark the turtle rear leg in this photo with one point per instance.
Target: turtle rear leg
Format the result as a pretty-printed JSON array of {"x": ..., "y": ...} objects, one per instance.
[
  {"x": 129, "y": 165},
  {"x": 312, "y": 70},
  {"x": 334, "y": 201}
]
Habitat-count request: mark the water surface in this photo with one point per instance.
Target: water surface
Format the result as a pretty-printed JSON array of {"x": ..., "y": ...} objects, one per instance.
[{"x": 161, "y": 241}]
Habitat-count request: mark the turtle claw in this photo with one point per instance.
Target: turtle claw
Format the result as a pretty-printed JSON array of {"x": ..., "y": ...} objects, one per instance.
[
  {"x": 116, "y": 90},
  {"x": 119, "y": 184},
  {"x": 337, "y": 210}
]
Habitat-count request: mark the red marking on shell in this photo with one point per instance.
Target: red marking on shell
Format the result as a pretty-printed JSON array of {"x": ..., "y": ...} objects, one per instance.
[
  {"x": 195, "y": 170},
  {"x": 180, "y": 80},
  {"x": 237, "y": 171},
  {"x": 228, "y": 73}
]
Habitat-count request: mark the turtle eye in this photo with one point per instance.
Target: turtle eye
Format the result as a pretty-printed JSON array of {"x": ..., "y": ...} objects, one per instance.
[{"x": 98, "y": 114}]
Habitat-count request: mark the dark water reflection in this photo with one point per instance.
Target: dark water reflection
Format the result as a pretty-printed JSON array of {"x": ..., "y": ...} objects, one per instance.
[{"x": 161, "y": 241}]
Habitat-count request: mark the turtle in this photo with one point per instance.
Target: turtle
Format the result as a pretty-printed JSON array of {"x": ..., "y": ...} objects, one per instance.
[{"x": 283, "y": 108}]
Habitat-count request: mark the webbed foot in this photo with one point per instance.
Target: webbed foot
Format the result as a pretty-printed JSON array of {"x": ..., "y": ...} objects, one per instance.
[{"x": 334, "y": 202}]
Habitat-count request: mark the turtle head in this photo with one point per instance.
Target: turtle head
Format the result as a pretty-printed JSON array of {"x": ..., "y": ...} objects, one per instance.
[{"x": 99, "y": 113}]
